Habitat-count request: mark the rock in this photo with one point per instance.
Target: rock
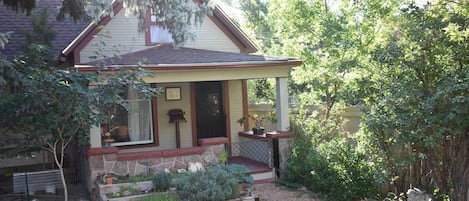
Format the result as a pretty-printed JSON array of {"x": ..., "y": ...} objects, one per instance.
[
  {"x": 415, "y": 194},
  {"x": 302, "y": 189}
]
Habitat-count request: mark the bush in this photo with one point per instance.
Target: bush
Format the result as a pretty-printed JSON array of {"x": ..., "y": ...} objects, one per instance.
[
  {"x": 330, "y": 167},
  {"x": 161, "y": 181},
  {"x": 161, "y": 197},
  {"x": 239, "y": 172},
  {"x": 215, "y": 184}
]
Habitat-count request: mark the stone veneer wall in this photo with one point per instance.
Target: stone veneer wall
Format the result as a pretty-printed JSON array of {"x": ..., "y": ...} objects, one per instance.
[
  {"x": 285, "y": 150},
  {"x": 109, "y": 160}
]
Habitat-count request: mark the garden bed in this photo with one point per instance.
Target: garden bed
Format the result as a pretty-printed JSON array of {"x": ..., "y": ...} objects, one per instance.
[{"x": 125, "y": 191}]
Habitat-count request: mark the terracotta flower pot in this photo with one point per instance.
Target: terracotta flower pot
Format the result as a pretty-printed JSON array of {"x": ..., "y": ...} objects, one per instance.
[{"x": 109, "y": 180}]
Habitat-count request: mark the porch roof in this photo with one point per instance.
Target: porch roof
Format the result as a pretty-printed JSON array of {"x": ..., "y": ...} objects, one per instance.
[{"x": 165, "y": 56}]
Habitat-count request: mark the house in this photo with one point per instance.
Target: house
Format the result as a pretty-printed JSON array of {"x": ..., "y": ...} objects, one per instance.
[{"x": 196, "y": 117}]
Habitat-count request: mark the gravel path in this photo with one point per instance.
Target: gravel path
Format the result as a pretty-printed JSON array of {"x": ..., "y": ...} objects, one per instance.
[{"x": 275, "y": 192}]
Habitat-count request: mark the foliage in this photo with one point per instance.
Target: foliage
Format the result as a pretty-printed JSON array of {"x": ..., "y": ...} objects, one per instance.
[
  {"x": 216, "y": 183},
  {"x": 53, "y": 108},
  {"x": 160, "y": 197},
  {"x": 331, "y": 167},
  {"x": 138, "y": 178},
  {"x": 406, "y": 63},
  {"x": 259, "y": 118},
  {"x": 419, "y": 100},
  {"x": 223, "y": 157},
  {"x": 4, "y": 37},
  {"x": 239, "y": 172},
  {"x": 161, "y": 181}
]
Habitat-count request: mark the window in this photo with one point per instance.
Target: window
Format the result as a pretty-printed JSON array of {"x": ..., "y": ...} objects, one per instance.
[
  {"x": 155, "y": 34},
  {"x": 133, "y": 126}
]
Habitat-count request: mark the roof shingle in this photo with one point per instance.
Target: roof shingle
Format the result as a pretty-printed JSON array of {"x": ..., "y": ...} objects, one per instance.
[
  {"x": 166, "y": 54},
  {"x": 10, "y": 20}
]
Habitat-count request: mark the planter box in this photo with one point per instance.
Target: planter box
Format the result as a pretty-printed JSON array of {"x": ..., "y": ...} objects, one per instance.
[
  {"x": 125, "y": 198},
  {"x": 143, "y": 186}
]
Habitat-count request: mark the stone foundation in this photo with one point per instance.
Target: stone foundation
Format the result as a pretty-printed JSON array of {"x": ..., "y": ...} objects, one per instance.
[{"x": 109, "y": 160}]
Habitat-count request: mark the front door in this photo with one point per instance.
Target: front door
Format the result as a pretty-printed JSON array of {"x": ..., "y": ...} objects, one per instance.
[{"x": 210, "y": 110}]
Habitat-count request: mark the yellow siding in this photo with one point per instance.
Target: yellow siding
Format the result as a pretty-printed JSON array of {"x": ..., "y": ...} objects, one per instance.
[
  {"x": 216, "y": 74},
  {"x": 124, "y": 38},
  {"x": 167, "y": 131},
  {"x": 210, "y": 37}
]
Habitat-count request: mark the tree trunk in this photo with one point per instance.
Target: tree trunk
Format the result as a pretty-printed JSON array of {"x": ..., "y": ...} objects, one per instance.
[{"x": 62, "y": 175}]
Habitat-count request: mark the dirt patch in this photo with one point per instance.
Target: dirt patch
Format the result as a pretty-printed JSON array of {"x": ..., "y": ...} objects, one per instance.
[{"x": 276, "y": 192}]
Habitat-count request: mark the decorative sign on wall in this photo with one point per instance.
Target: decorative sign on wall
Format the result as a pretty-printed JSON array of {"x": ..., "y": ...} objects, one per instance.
[{"x": 173, "y": 93}]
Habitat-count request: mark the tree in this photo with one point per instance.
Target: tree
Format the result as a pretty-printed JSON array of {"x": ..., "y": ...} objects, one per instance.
[
  {"x": 48, "y": 109},
  {"x": 420, "y": 99},
  {"x": 407, "y": 65},
  {"x": 54, "y": 108},
  {"x": 177, "y": 16}
]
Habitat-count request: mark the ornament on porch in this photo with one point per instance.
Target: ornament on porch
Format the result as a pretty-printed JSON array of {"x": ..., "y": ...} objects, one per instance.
[{"x": 176, "y": 116}]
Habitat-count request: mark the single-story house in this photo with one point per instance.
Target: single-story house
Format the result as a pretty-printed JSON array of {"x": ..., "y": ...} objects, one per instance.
[{"x": 196, "y": 118}]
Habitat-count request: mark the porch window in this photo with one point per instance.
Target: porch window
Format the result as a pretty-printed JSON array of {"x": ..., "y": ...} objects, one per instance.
[
  {"x": 155, "y": 34},
  {"x": 132, "y": 126}
]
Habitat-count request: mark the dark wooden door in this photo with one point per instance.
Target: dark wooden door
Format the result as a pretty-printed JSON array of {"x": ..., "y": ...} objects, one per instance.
[{"x": 210, "y": 110}]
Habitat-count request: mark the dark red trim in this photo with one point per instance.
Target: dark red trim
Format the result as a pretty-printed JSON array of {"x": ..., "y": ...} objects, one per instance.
[
  {"x": 226, "y": 97},
  {"x": 101, "y": 151},
  {"x": 139, "y": 155},
  {"x": 193, "y": 114},
  {"x": 183, "y": 151},
  {"x": 213, "y": 141},
  {"x": 192, "y": 66},
  {"x": 244, "y": 94},
  {"x": 268, "y": 135},
  {"x": 160, "y": 153},
  {"x": 147, "y": 28},
  {"x": 154, "y": 107}
]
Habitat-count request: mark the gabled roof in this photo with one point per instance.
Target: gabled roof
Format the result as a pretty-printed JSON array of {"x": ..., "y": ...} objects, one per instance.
[
  {"x": 219, "y": 18},
  {"x": 10, "y": 20},
  {"x": 167, "y": 54},
  {"x": 165, "y": 57}
]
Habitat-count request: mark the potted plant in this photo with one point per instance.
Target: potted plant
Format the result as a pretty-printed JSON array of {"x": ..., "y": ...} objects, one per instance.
[{"x": 258, "y": 120}]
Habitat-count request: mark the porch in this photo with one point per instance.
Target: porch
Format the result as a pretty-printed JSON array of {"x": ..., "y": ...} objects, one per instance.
[{"x": 261, "y": 154}]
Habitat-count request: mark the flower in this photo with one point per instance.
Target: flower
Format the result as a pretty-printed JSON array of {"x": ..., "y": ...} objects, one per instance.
[{"x": 256, "y": 118}]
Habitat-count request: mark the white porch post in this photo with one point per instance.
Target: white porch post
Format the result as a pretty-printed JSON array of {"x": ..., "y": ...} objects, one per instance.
[
  {"x": 95, "y": 136},
  {"x": 282, "y": 104}
]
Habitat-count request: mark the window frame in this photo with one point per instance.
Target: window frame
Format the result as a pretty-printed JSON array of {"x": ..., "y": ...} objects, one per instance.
[
  {"x": 153, "y": 130},
  {"x": 148, "y": 24}
]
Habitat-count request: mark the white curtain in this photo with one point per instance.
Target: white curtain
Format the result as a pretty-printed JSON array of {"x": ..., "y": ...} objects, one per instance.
[
  {"x": 159, "y": 35},
  {"x": 139, "y": 117}
]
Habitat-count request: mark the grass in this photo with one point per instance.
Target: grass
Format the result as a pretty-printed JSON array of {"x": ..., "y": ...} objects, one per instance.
[{"x": 161, "y": 197}]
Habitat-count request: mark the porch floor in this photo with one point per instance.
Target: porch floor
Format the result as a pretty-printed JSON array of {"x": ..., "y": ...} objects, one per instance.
[{"x": 252, "y": 165}]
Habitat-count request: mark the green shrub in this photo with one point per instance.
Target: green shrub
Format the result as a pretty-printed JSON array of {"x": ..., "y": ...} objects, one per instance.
[
  {"x": 215, "y": 184},
  {"x": 239, "y": 172},
  {"x": 331, "y": 167},
  {"x": 138, "y": 178},
  {"x": 161, "y": 197},
  {"x": 161, "y": 181}
]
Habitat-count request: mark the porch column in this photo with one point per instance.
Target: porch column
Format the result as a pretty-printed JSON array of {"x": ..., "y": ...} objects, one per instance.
[
  {"x": 282, "y": 104},
  {"x": 95, "y": 136}
]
